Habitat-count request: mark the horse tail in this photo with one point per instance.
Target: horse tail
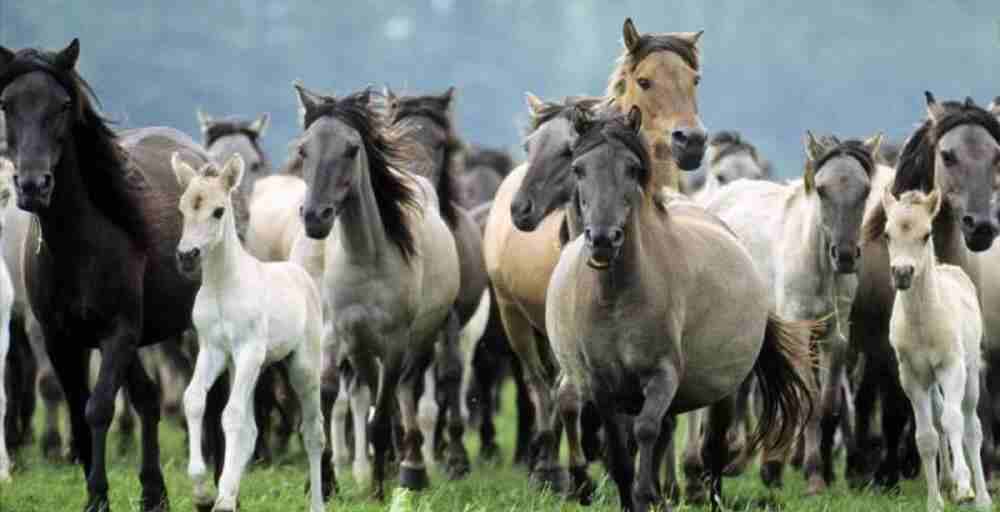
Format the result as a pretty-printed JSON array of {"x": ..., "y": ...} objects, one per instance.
[{"x": 784, "y": 374}]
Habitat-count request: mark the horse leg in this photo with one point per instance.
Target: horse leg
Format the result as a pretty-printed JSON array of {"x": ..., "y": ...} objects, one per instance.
[
  {"x": 361, "y": 402},
  {"x": 208, "y": 367},
  {"x": 620, "y": 464},
  {"x": 412, "y": 471},
  {"x": 926, "y": 435},
  {"x": 428, "y": 413},
  {"x": 985, "y": 410},
  {"x": 339, "y": 418},
  {"x": 895, "y": 415},
  {"x": 581, "y": 487},
  {"x": 658, "y": 395},
  {"x": 972, "y": 434},
  {"x": 666, "y": 450},
  {"x": 126, "y": 421},
  {"x": 525, "y": 415},
  {"x": 693, "y": 466},
  {"x": 330, "y": 391},
  {"x": 714, "y": 452},
  {"x": 450, "y": 374},
  {"x": 4, "y": 456},
  {"x": 858, "y": 468},
  {"x": 486, "y": 373},
  {"x": 146, "y": 398},
  {"x": 304, "y": 376},
  {"x": 238, "y": 423},
  {"x": 263, "y": 406},
  {"x": 48, "y": 387},
  {"x": 380, "y": 427},
  {"x": 952, "y": 380},
  {"x": 25, "y": 400},
  {"x": 738, "y": 453}
]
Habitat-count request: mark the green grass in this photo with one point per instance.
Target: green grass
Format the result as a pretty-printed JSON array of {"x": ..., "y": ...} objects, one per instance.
[{"x": 42, "y": 486}]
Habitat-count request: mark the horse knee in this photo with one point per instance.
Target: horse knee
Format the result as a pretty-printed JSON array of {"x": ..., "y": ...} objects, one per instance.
[
  {"x": 236, "y": 419},
  {"x": 194, "y": 404},
  {"x": 927, "y": 443},
  {"x": 100, "y": 412},
  {"x": 646, "y": 430}
]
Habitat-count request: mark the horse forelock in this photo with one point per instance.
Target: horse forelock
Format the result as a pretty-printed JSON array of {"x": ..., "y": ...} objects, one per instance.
[{"x": 614, "y": 129}]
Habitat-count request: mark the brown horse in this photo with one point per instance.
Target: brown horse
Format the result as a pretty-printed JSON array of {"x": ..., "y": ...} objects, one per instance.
[
  {"x": 107, "y": 226},
  {"x": 658, "y": 73}
]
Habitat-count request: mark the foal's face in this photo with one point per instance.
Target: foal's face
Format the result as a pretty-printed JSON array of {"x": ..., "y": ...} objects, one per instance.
[
  {"x": 908, "y": 234},
  {"x": 332, "y": 155},
  {"x": 966, "y": 163},
  {"x": 608, "y": 188},
  {"x": 205, "y": 206},
  {"x": 548, "y": 182}
]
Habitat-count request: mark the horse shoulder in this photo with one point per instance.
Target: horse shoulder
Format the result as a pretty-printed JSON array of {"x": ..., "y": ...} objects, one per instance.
[{"x": 498, "y": 223}]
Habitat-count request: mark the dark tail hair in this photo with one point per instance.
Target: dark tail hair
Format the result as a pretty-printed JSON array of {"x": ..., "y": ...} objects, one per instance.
[{"x": 784, "y": 375}]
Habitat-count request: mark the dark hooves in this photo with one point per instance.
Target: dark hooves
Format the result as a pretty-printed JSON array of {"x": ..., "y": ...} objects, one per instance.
[
  {"x": 695, "y": 492},
  {"x": 414, "y": 479},
  {"x": 98, "y": 504},
  {"x": 582, "y": 488},
  {"x": 52, "y": 446},
  {"x": 770, "y": 474},
  {"x": 552, "y": 478},
  {"x": 489, "y": 452},
  {"x": 203, "y": 507},
  {"x": 157, "y": 502},
  {"x": 458, "y": 467}
]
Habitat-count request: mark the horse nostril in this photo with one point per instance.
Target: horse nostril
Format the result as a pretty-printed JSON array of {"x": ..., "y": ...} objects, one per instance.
[
  {"x": 588, "y": 235},
  {"x": 522, "y": 208},
  {"x": 46, "y": 181},
  {"x": 857, "y": 252},
  {"x": 833, "y": 251},
  {"x": 968, "y": 222},
  {"x": 680, "y": 138},
  {"x": 616, "y": 236}
]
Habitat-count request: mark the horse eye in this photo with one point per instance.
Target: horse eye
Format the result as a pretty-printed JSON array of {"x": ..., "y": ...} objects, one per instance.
[
  {"x": 644, "y": 83},
  {"x": 352, "y": 151},
  {"x": 567, "y": 152},
  {"x": 885, "y": 236},
  {"x": 302, "y": 152},
  {"x": 217, "y": 213},
  {"x": 697, "y": 80},
  {"x": 255, "y": 167},
  {"x": 578, "y": 171},
  {"x": 722, "y": 180},
  {"x": 948, "y": 157},
  {"x": 927, "y": 237},
  {"x": 3, "y": 106}
]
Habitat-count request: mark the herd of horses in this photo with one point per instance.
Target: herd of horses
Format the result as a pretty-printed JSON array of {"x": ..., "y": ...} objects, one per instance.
[{"x": 375, "y": 291}]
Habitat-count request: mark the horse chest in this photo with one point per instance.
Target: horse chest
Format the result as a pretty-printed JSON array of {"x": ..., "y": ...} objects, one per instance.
[{"x": 227, "y": 321}]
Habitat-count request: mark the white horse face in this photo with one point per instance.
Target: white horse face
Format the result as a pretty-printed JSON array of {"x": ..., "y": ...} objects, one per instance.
[
  {"x": 205, "y": 205},
  {"x": 908, "y": 234}
]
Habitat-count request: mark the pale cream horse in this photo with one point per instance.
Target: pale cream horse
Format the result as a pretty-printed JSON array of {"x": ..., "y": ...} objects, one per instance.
[
  {"x": 6, "y": 305},
  {"x": 249, "y": 314},
  {"x": 658, "y": 73},
  {"x": 935, "y": 330}
]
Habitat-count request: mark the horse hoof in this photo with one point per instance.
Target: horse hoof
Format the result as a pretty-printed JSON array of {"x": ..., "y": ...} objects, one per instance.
[
  {"x": 695, "y": 492},
  {"x": 581, "y": 487},
  {"x": 964, "y": 496},
  {"x": 328, "y": 479},
  {"x": 155, "y": 501},
  {"x": 553, "y": 478},
  {"x": 458, "y": 468},
  {"x": 98, "y": 504},
  {"x": 52, "y": 446},
  {"x": 414, "y": 479},
  {"x": 770, "y": 474},
  {"x": 816, "y": 486},
  {"x": 489, "y": 452},
  {"x": 203, "y": 507}
]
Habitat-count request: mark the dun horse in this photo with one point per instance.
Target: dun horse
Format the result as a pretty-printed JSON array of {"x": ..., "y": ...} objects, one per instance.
[
  {"x": 103, "y": 251},
  {"x": 392, "y": 271},
  {"x": 651, "y": 336},
  {"x": 243, "y": 329},
  {"x": 935, "y": 330}
]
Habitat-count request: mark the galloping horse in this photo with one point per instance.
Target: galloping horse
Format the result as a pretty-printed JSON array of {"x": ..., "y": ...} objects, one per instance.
[
  {"x": 392, "y": 271},
  {"x": 651, "y": 336},
  {"x": 101, "y": 272},
  {"x": 659, "y": 74}
]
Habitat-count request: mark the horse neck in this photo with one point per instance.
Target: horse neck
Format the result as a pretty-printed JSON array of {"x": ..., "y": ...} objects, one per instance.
[
  {"x": 226, "y": 262},
  {"x": 70, "y": 206},
  {"x": 924, "y": 292},
  {"x": 666, "y": 173},
  {"x": 949, "y": 244},
  {"x": 359, "y": 226},
  {"x": 806, "y": 217},
  {"x": 624, "y": 273}
]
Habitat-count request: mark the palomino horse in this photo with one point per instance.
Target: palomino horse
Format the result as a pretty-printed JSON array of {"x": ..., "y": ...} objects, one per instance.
[
  {"x": 729, "y": 158},
  {"x": 392, "y": 272},
  {"x": 429, "y": 121},
  {"x": 658, "y": 73},
  {"x": 651, "y": 336},
  {"x": 6, "y": 305},
  {"x": 244, "y": 330},
  {"x": 107, "y": 220},
  {"x": 939, "y": 366},
  {"x": 955, "y": 150},
  {"x": 804, "y": 239}
]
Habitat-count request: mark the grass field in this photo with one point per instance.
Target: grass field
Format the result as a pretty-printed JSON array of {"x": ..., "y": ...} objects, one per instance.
[{"x": 42, "y": 486}]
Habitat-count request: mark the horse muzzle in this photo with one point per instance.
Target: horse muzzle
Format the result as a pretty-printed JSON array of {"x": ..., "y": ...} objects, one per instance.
[
  {"x": 688, "y": 147},
  {"x": 902, "y": 277},
  {"x": 979, "y": 232},
  {"x": 189, "y": 262},
  {"x": 845, "y": 260},
  {"x": 318, "y": 221},
  {"x": 33, "y": 193},
  {"x": 605, "y": 246}
]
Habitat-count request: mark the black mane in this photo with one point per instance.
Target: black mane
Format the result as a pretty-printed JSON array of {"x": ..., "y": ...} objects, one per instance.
[
  {"x": 104, "y": 166},
  {"x": 219, "y": 128},
  {"x": 392, "y": 192},
  {"x": 851, "y": 148},
  {"x": 436, "y": 110}
]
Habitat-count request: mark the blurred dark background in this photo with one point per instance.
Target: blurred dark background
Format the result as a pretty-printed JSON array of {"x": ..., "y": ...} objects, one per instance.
[{"x": 771, "y": 71}]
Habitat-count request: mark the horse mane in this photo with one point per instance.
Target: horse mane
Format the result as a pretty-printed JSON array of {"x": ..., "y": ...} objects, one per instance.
[
  {"x": 109, "y": 179},
  {"x": 219, "y": 128},
  {"x": 730, "y": 143},
  {"x": 565, "y": 109},
  {"x": 915, "y": 167},
  {"x": 605, "y": 129},
  {"x": 393, "y": 193},
  {"x": 650, "y": 43},
  {"x": 496, "y": 159},
  {"x": 853, "y": 148},
  {"x": 432, "y": 108}
]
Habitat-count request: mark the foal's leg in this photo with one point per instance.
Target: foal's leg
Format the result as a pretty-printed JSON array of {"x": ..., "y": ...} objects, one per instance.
[
  {"x": 953, "y": 388},
  {"x": 580, "y": 485},
  {"x": 926, "y": 436},
  {"x": 4, "y": 457},
  {"x": 658, "y": 395},
  {"x": 210, "y": 364},
  {"x": 238, "y": 422},
  {"x": 304, "y": 374},
  {"x": 972, "y": 439},
  {"x": 145, "y": 396}
]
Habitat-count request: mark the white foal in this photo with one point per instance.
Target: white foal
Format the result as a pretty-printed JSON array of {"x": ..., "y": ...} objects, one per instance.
[
  {"x": 6, "y": 303},
  {"x": 936, "y": 329},
  {"x": 248, "y": 314}
]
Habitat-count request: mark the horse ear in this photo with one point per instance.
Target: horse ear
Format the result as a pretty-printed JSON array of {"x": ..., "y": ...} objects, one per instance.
[
  {"x": 969, "y": 102},
  {"x": 814, "y": 148},
  {"x": 690, "y": 38},
  {"x": 308, "y": 100},
  {"x": 390, "y": 97},
  {"x": 873, "y": 144},
  {"x": 934, "y": 109},
  {"x": 934, "y": 203},
  {"x": 259, "y": 125},
  {"x": 66, "y": 59},
  {"x": 634, "y": 119},
  {"x": 535, "y": 104},
  {"x": 184, "y": 172},
  {"x": 6, "y": 56},
  {"x": 888, "y": 200},
  {"x": 448, "y": 96},
  {"x": 630, "y": 35},
  {"x": 232, "y": 172},
  {"x": 204, "y": 120}
]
